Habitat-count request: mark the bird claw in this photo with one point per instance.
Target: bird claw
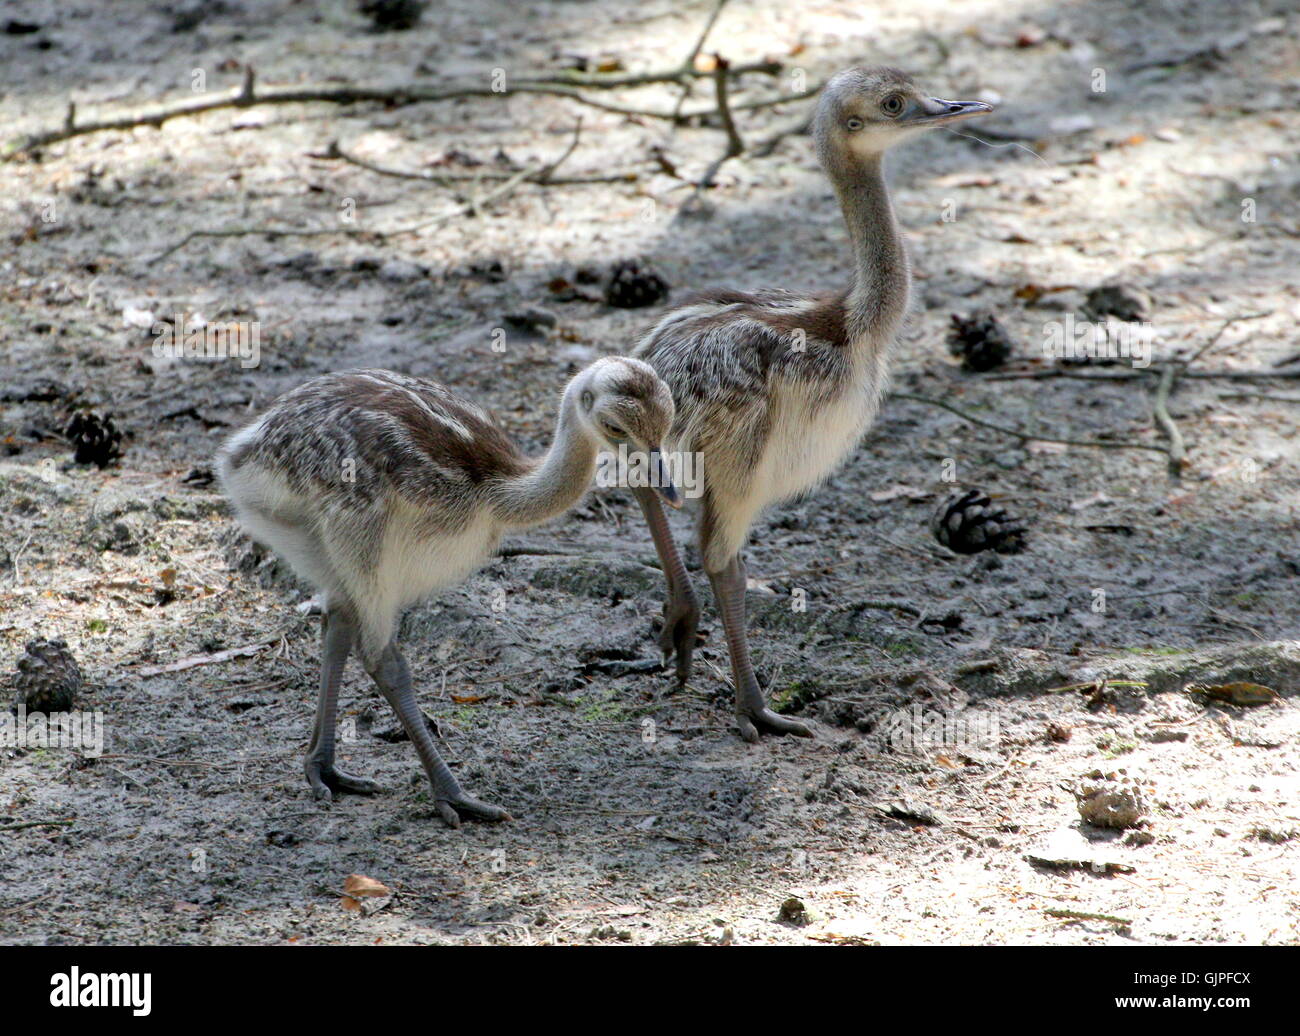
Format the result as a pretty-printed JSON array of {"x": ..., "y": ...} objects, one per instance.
[
  {"x": 679, "y": 634},
  {"x": 755, "y": 722},
  {"x": 451, "y": 810},
  {"x": 328, "y": 782}
]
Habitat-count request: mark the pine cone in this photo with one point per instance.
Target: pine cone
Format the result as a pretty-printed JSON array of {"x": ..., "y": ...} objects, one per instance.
[
  {"x": 48, "y": 677},
  {"x": 980, "y": 340},
  {"x": 967, "y": 524},
  {"x": 95, "y": 439},
  {"x": 633, "y": 284}
]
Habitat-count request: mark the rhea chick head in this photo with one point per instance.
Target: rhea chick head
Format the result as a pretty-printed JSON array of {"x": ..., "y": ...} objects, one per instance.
[
  {"x": 622, "y": 402},
  {"x": 865, "y": 111}
]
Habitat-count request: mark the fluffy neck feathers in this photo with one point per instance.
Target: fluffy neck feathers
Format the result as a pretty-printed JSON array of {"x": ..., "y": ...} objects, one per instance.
[
  {"x": 557, "y": 481},
  {"x": 882, "y": 276}
]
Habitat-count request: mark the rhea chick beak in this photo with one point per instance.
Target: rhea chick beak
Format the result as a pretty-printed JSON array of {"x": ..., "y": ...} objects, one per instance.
[
  {"x": 934, "y": 111},
  {"x": 661, "y": 479}
]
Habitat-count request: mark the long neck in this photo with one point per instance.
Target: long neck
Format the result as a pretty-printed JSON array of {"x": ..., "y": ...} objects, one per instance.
[
  {"x": 557, "y": 481},
  {"x": 882, "y": 276}
]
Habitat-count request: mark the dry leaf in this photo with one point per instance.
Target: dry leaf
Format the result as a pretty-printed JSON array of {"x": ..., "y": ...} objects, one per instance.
[
  {"x": 1040, "y": 446},
  {"x": 360, "y": 885},
  {"x": 348, "y": 903},
  {"x": 468, "y": 699},
  {"x": 1240, "y": 693},
  {"x": 168, "y": 577}
]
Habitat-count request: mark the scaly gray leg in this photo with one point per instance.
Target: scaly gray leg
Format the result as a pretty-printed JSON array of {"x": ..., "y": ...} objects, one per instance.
[
  {"x": 393, "y": 677},
  {"x": 338, "y": 631},
  {"x": 752, "y": 712},
  {"x": 681, "y": 610}
]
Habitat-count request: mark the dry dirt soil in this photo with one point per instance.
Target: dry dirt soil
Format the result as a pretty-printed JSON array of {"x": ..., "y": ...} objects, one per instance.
[{"x": 641, "y": 816}]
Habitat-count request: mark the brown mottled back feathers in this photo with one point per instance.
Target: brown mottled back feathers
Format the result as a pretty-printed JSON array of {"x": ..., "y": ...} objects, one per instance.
[
  {"x": 720, "y": 352},
  {"x": 377, "y": 430}
]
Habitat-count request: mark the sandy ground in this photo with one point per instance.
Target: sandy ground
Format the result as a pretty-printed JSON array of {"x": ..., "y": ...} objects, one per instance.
[{"x": 641, "y": 816}]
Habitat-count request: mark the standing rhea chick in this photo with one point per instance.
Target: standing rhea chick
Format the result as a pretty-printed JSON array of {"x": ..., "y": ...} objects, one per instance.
[
  {"x": 380, "y": 488},
  {"x": 774, "y": 389}
]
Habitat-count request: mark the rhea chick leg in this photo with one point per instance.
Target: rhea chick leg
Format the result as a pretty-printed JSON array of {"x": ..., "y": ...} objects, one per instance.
[
  {"x": 752, "y": 712},
  {"x": 338, "y": 633},
  {"x": 681, "y": 610},
  {"x": 393, "y": 677}
]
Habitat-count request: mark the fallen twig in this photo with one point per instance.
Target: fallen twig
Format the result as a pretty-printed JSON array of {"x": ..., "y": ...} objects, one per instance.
[
  {"x": 688, "y": 66},
  {"x": 1259, "y": 395},
  {"x": 18, "y": 554},
  {"x": 1029, "y": 436},
  {"x": 1214, "y": 339},
  {"x": 1169, "y": 377},
  {"x": 36, "y": 823},
  {"x": 473, "y": 206},
  {"x": 1134, "y": 373},
  {"x": 271, "y": 232},
  {"x": 687, "y": 70},
  {"x": 249, "y": 94},
  {"x": 453, "y": 179},
  {"x": 1094, "y": 683},
  {"x": 735, "y": 146},
  {"x": 210, "y": 659},
  {"x": 1160, "y": 406},
  {"x": 1080, "y": 915}
]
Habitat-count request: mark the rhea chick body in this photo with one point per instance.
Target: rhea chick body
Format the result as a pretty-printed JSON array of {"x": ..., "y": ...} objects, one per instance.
[
  {"x": 380, "y": 489},
  {"x": 774, "y": 389}
]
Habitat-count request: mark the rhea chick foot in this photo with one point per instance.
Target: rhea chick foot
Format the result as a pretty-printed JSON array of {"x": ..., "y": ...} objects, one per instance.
[
  {"x": 380, "y": 489},
  {"x": 774, "y": 389}
]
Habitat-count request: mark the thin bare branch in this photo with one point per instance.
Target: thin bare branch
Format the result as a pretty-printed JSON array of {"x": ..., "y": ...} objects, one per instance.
[
  {"x": 689, "y": 63},
  {"x": 471, "y": 207},
  {"x": 456, "y": 179},
  {"x": 1160, "y": 406},
  {"x": 1133, "y": 374},
  {"x": 1028, "y": 436},
  {"x": 248, "y": 94},
  {"x": 1214, "y": 340}
]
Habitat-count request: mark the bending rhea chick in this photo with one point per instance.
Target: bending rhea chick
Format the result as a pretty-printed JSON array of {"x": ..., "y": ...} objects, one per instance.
[
  {"x": 380, "y": 488},
  {"x": 773, "y": 390}
]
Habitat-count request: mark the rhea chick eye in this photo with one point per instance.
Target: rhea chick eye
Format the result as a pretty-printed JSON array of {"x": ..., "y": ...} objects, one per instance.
[{"x": 892, "y": 105}]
